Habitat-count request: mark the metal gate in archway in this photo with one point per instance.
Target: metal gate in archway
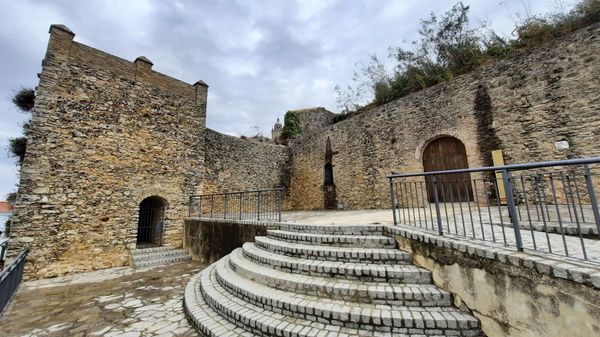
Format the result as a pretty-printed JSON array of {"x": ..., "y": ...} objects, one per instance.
[{"x": 151, "y": 221}]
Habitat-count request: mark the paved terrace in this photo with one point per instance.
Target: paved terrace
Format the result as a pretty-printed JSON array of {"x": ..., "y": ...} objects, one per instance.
[
  {"x": 453, "y": 223},
  {"x": 121, "y": 302},
  {"x": 148, "y": 302}
]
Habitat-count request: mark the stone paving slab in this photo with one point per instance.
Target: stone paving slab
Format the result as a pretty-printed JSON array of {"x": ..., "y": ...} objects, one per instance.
[{"x": 121, "y": 302}]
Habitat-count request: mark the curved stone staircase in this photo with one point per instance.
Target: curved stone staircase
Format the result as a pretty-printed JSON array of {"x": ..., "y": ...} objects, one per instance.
[{"x": 310, "y": 280}]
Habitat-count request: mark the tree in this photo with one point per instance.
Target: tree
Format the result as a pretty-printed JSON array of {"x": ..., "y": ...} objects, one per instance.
[
  {"x": 291, "y": 126},
  {"x": 369, "y": 79},
  {"x": 447, "y": 47}
]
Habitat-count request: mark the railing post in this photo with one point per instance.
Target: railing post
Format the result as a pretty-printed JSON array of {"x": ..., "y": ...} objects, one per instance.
[
  {"x": 200, "y": 207},
  {"x": 512, "y": 210},
  {"x": 2, "y": 253},
  {"x": 592, "y": 195},
  {"x": 190, "y": 206},
  {"x": 212, "y": 205},
  {"x": 280, "y": 193},
  {"x": 225, "y": 206},
  {"x": 393, "y": 196},
  {"x": 436, "y": 199},
  {"x": 258, "y": 206},
  {"x": 241, "y": 196}
]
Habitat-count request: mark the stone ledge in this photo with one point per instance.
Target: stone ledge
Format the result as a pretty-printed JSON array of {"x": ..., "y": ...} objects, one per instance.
[
  {"x": 579, "y": 271},
  {"x": 268, "y": 224}
]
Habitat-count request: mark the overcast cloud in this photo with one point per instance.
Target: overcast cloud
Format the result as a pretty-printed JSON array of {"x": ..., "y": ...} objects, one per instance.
[{"x": 260, "y": 58}]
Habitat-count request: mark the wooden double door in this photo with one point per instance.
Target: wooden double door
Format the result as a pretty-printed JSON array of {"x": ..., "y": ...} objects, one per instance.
[{"x": 447, "y": 153}]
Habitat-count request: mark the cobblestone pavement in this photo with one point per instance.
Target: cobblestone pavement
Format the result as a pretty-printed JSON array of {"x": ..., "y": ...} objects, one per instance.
[{"x": 114, "y": 302}]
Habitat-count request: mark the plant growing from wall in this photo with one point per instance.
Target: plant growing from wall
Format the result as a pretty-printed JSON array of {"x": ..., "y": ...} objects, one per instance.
[
  {"x": 24, "y": 100},
  {"x": 291, "y": 126}
]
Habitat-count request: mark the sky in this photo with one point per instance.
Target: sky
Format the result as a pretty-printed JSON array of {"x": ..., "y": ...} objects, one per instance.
[{"x": 259, "y": 57}]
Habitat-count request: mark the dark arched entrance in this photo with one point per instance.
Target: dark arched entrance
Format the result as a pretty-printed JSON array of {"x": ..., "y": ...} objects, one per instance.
[
  {"x": 447, "y": 153},
  {"x": 329, "y": 194},
  {"x": 151, "y": 221}
]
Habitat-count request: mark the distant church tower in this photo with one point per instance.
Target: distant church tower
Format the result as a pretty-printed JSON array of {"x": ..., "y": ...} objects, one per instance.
[{"x": 276, "y": 132}]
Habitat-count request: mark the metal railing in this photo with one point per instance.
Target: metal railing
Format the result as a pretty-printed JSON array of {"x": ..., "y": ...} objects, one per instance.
[
  {"x": 10, "y": 278},
  {"x": 3, "y": 248},
  {"x": 262, "y": 205},
  {"x": 547, "y": 206}
]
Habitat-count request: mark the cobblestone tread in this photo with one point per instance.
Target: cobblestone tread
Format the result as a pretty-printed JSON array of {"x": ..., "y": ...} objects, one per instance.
[
  {"x": 333, "y": 229},
  {"x": 338, "y": 312},
  {"x": 327, "y": 253},
  {"x": 336, "y": 288},
  {"x": 260, "y": 320},
  {"x": 163, "y": 254},
  {"x": 401, "y": 273},
  {"x": 339, "y": 240},
  {"x": 204, "y": 318},
  {"x": 148, "y": 257},
  {"x": 324, "y": 281}
]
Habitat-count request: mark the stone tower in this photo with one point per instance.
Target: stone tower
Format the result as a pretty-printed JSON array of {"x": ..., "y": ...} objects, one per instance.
[
  {"x": 276, "y": 132},
  {"x": 106, "y": 136}
]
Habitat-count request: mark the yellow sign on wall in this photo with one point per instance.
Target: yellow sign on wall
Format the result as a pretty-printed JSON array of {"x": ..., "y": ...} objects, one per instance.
[{"x": 498, "y": 160}]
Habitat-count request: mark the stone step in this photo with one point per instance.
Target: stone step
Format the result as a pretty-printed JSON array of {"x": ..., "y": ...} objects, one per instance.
[
  {"x": 338, "y": 240},
  {"x": 141, "y": 251},
  {"x": 399, "y": 273},
  {"x": 333, "y": 229},
  {"x": 336, "y": 312},
  {"x": 204, "y": 318},
  {"x": 258, "y": 320},
  {"x": 328, "y": 253},
  {"x": 157, "y": 260},
  {"x": 334, "y": 288},
  {"x": 401, "y": 321},
  {"x": 157, "y": 255}
]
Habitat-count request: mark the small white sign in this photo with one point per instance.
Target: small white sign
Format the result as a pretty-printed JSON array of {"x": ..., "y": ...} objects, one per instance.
[{"x": 561, "y": 145}]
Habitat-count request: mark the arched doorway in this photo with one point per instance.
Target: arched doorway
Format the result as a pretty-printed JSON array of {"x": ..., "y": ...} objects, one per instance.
[
  {"x": 447, "y": 153},
  {"x": 151, "y": 222}
]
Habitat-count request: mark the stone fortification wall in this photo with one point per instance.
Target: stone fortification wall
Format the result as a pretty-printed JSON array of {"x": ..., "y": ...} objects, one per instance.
[
  {"x": 235, "y": 164},
  {"x": 105, "y": 134},
  {"x": 523, "y": 106},
  {"x": 314, "y": 119}
]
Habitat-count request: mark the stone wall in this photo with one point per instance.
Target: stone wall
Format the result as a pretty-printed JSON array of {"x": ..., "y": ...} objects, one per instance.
[
  {"x": 523, "y": 106},
  {"x": 105, "y": 134},
  {"x": 235, "y": 164},
  {"x": 208, "y": 240},
  {"x": 314, "y": 119}
]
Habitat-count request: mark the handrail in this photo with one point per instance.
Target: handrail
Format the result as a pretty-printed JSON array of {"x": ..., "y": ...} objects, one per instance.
[
  {"x": 255, "y": 204},
  {"x": 238, "y": 192},
  {"x": 523, "y": 166},
  {"x": 10, "y": 278},
  {"x": 558, "y": 208}
]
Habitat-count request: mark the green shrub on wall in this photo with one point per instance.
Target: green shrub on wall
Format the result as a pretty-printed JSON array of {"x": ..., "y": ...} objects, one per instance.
[
  {"x": 447, "y": 46},
  {"x": 291, "y": 125}
]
